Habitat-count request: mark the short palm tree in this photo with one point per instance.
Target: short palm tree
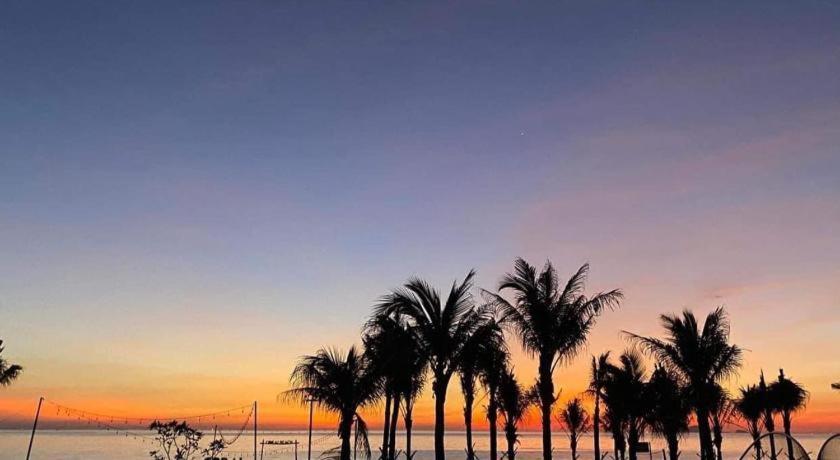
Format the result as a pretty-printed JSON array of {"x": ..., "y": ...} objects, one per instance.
[
  {"x": 769, "y": 409},
  {"x": 391, "y": 348},
  {"x": 624, "y": 393},
  {"x": 8, "y": 372},
  {"x": 441, "y": 328},
  {"x": 514, "y": 402},
  {"x": 339, "y": 383},
  {"x": 552, "y": 322},
  {"x": 597, "y": 380},
  {"x": 749, "y": 408},
  {"x": 721, "y": 412},
  {"x": 492, "y": 364},
  {"x": 576, "y": 420},
  {"x": 700, "y": 358},
  {"x": 485, "y": 339},
  {"x": 668, "y": 411},
  {"x": 789, "y": 397}
]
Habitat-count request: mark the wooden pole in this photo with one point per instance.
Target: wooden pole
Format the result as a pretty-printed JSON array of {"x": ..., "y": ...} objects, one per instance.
[
  {"x": 255, "y": 430},
  {"x": 34, "y": 427}
]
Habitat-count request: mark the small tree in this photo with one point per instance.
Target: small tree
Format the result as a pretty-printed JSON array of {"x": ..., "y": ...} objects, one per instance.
[
  {"x": 8, "y": 372},
  {"x": 178, "y": 441},
  {"x": 576, "y": 421}
]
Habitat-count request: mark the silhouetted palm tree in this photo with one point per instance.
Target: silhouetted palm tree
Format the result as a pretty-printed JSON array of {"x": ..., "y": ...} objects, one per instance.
[
  {"x": 721, "y": 411},
  {"x": 597, "y": 380},
  {"x": 416, "y": 367},
  {"x": 769, "y": 408},
  {"x": 789, "y": 397},
  {"x": 615, "y": 421},
  {"x": 514, "y": 402},
  {"x": 441, "y": 328},
  {"x": 391, "y": 349},
  {"x": 552, "y": 322},
  {"x": 700, "y": 358},
  {"x": 8, "y": 372},
  {"x": 668, "y": 411},
  {"x": 340, "y": 383},
  {"x": 750, "y": 408},
  {"x": 487, "y": 337},
  {"x": 576, "y": 421},
  {"x": 492, "y": 364},
  {"x": 624, "y": 394}
]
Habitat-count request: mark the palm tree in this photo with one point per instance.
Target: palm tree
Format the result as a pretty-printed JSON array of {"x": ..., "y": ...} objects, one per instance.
[
  {"x": 789, "y": 397},
  {"x": 492, "y": 364},
  {"x": 721, "y": 411},
  {"x": 514, "y": 402},
  {"x": 576, "y": 421},
  {"x": 699, "y": 358},
  {"x": 486, "y": 338},
  {"x": 624, "y": 393},
  {"x": 441, "y": 329},
  {"x": 769, "y": 409},
  {"x": 8, "y": 372},
  {"x": 668, "y": 412},
  {"x": 597, "y": 380},
  {"x": 340, "y": 383},
  {"x": 394, "y": 353},
  {"x": 416, "y": 368},
  {"x": 615, "y": 421},
  {"x": 552, "y": 322},
  {"x": 749, "y": 407}
]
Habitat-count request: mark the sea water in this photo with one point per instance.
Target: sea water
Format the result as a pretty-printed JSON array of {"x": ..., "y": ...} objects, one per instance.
[{"x": 131, "y": 445}]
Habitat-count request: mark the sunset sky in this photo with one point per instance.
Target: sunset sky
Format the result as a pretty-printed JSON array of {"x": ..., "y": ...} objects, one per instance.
[{"x": 194, "y": 194}]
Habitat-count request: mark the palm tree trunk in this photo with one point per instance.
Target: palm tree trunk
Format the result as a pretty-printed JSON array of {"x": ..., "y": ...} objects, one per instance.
[
  {"x": 468, "y": 408},
  {"x": 786, "y": 419},
  {"x": 492, "y": 412},
  {"x": 718, "y": 440},
  {"x": 596, "y": 439},
  {"x": 573, "y": 440},
  {"x": 439, "y": 390},
  {"x": 633, "y": 439},
  {"x": 345, "y": 430},
  {"x": 705, "y": 434},
  {"x": 510, "y": 435},
  {"x": 673, "y": 446},
  {"x": 392, "y": 441},
  {"x": 546, "y": 401},
  {"x": 755, "y": 431},
  {"x": 409, "y": 408},
  {"x": 386, "y": 427}
]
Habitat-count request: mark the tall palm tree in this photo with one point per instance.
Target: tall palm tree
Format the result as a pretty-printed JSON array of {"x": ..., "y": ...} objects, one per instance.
[
  {"x": 624, "y": 393},
  {"x": 514, "y": 402},
  {"x": 789, "y": 397},
  {"x": 721, "y": 412},
  {"x": 576, "y": 421},
  {"x": 750, "y": 408},
  {"x": 597, "y": 380},
  {"x": 8, "y": 372},
  {"x": 700, "y": 357},
  {"x": 487, "y": 337},
  {"x": 339, "y": 383},
  {"x": 492, "y": 364},
  {"x": 552, "y": 322},
  {"x": 441, "y": 328},
  {"x": 668, "y": 412}
]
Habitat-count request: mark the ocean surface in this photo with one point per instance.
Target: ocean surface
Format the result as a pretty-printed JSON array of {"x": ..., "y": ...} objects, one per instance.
[{"x": 101, "y": 445}]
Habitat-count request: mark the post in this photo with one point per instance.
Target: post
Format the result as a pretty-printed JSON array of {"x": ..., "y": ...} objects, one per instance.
[
  {"x": 34, "y": 427},
  {"x": 309, "y": 449},
  {"x": 255, "y": 430},
  {"x": 296, "y": 444}
]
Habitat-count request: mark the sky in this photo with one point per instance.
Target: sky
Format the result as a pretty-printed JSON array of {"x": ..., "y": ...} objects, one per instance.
[{"x": 195, "y": 194}]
